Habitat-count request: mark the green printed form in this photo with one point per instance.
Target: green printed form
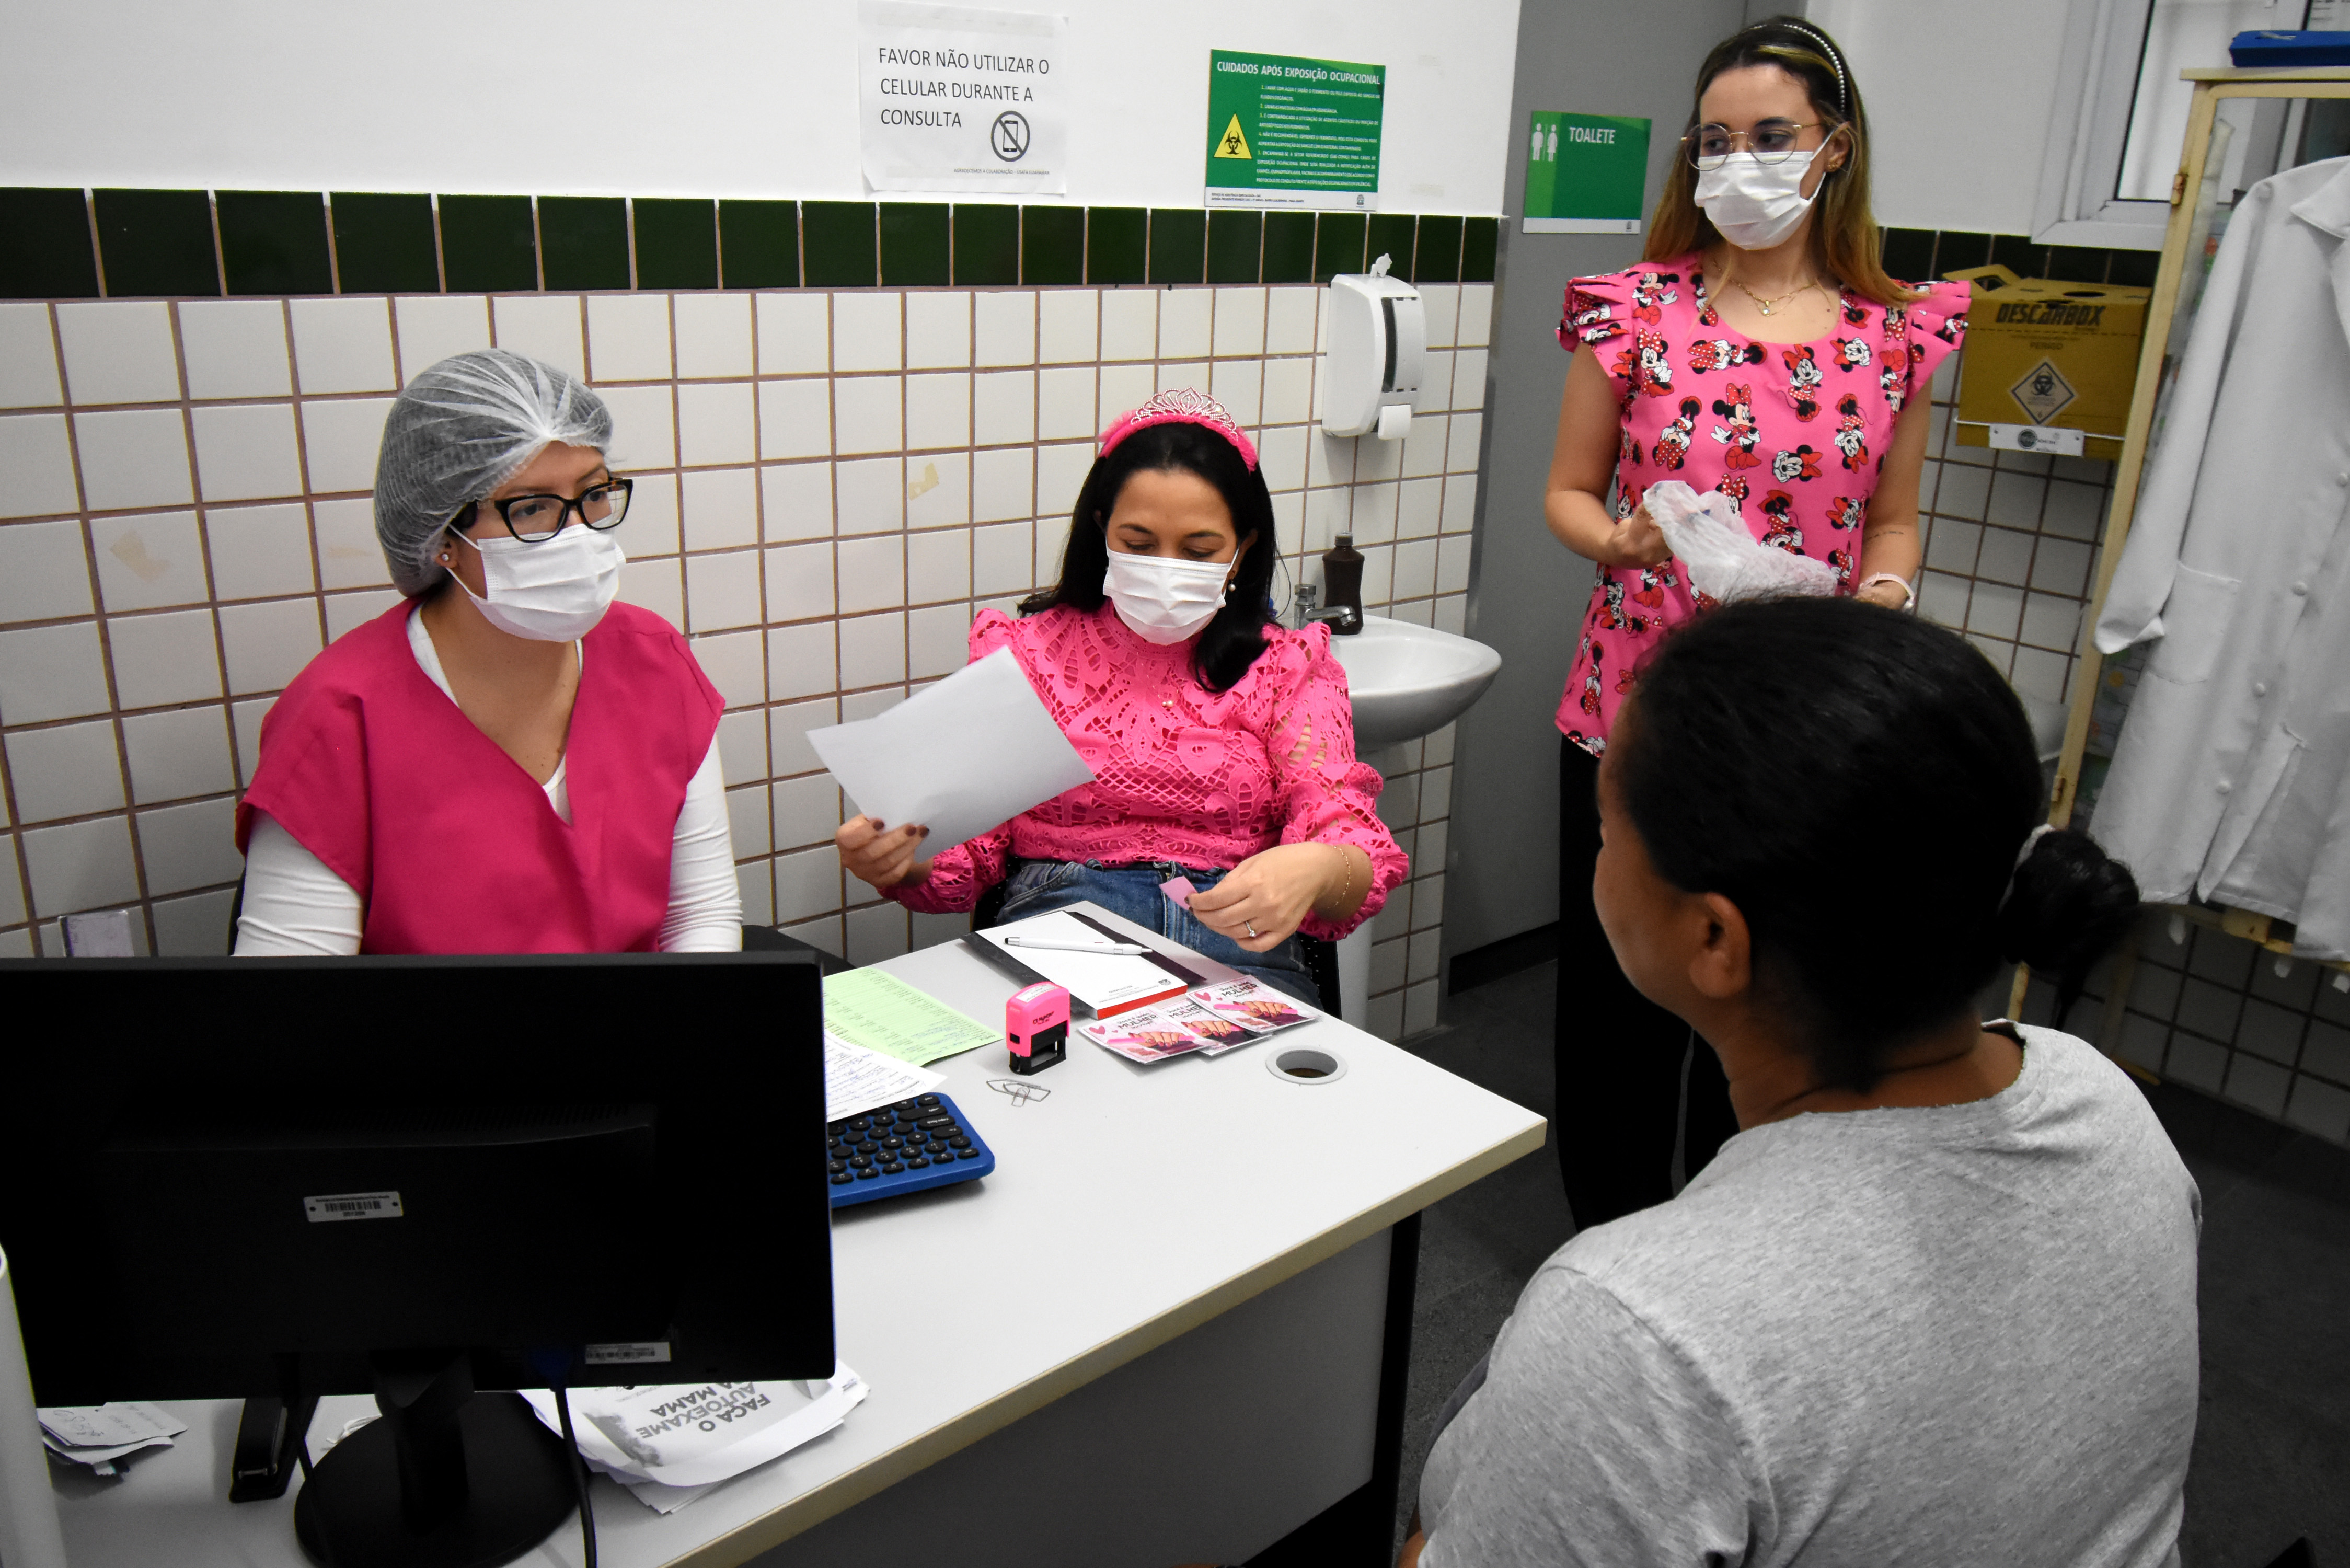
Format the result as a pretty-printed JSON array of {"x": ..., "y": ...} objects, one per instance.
[{"x": 875, "y": 1009}]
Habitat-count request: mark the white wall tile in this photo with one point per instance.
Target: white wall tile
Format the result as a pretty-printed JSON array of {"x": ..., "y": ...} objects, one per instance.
[
  {"x": 1004, "y": 329},
  {"x": 37, "y": 469},
  {"x": 259, "y": 552},
  {"x": 938, "y": 411},
  {"x": 644, "y": 427},
  {"x": 340, "y": 441},
  {"x": 1239, "y": 322},
  {"x": 794, "y": 418},
  {"x": 349, "y": 554},
  {"x": 431, "y": 327},
  {"x": 1423, "y": 444},
  {"x": 1189, "y": 375},
  {"x": 1460, "y": 503},
  {"x": 71, "y": 770},
  {"x": 868, "y": 332},
  {"x": 1995, "y": 610},
  {"x": 149, "y": 561},
  {"x": 735, "y": 663},
  {"x": 806, "y": 812},
  {"x": 1129, "y": 324},
  {"x": 2005, "y": 555},
  {"x": 266, "y": 645},
  {"x": 937, "y": 640},
  {"x": 191, "y": 846},
  {"x": 1052, "y": 545},
  {"x": 543, "y": 325},
  {"x": 244, "y": 727},
  {"x": 1452, "y": 614},
  {"x": 160, "y": 658},
  {"x": 1420, "y": 508},
  {"x": 867, "y": 414},
  {"x": 81, "y": 865},
  {"x": 938, "y": 331},
  {"x": 937, "y": 489},
  {"x": 1123, "y": 388},
  {"x": 651, "y": 528},
  {"x": 2074, "y": 511},
  {"x": 1441, "y": 302},
  {"x": 2040, "y": 672},
  {"x": 1186, "y": 320},
  {"x": 44, "y": 573},
  {"x": 713, "y": 334},
  {"x": 343, "y": 345},
  {"x": 1238, "y": 385},
  {"x": 1467, "y": 433},
  {"x": 1060, "y": 473},
  {"x": 872, "y": 573},
  {"x": 873, "y": 649},
  {"x": 247, "y": 453},
  {"x": 1436, "y": 380},
  {"x": 938, "y": 567},
  {"x": 746, "y": 818},
  {"x": 795, "y": 334},
  {"x": 1288, "y": 391},
  {"x": 138, "y": 457},
  {"x": 628, "y": 337},
  {"x": 1289, "y": 319},
  {"x": 1414, "y": 568},
  {"x": 799, "y": 582},
  {"x": 51, "y": 672},
  {"x": 807, "y": 884},
  {"x": 1379, "y": 575},
  {"x": 657, "y": 584},
  {"x": 2051, "y": 621},
  {"x": 235, "y": 348},
  {"x": 790, "y": 752},
  {"x": 722, "y": 590},
  {"x": 1003, "y": 407},
  {"x": 1001, "y": 558},
  {"x": 1476, "y": 316},
  {"x": 118, "y": 352},
  {"x": 28, "y": 358},
  {"x": 1469, "y": 378},
  {"x": 1452, "y": 559},
  {"x": 193, "y": 927},
  {"x": 720, "y": 507},
  {"x": 801, "y": 661},
  {"x": 716, "y": 422},
  {"x": 1373, "y": 514},
  {"x": 869, "y": 496},
  {"x": 795, "y": 501},
  {"x": 2062, "y": 567},
  {"x": 1067, "y": 323},
  {"x": 1064, "y": 404}
]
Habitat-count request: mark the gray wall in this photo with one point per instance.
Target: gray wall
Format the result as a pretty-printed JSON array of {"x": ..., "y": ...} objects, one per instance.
[{"x": 1527, "y": 593}]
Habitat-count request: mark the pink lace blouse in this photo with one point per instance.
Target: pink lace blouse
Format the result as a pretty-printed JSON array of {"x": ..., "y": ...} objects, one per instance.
[{"x": 1180, "y": 773}]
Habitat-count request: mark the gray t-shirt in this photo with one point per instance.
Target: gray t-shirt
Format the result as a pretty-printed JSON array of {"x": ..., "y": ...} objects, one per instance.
[{"x": 1956, "y": 1335}]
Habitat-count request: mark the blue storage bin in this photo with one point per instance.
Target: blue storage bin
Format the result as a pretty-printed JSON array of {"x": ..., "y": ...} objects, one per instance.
[{"x": 2269, "y": 50}]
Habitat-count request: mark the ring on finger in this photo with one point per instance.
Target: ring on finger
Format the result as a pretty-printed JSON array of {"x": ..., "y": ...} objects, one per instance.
[{"x": 1252, "y": 929}]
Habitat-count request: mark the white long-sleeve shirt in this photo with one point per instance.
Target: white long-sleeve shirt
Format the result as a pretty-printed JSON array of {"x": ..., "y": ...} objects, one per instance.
[{"x": 294, "y": 905}]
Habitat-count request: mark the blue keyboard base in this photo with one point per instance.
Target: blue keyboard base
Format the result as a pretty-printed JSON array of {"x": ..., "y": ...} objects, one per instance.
[{"x": 905, "y": 1147}]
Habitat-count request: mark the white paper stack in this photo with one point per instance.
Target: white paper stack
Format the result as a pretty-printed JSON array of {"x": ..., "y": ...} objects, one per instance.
[{"x": 99, "y": 1436}]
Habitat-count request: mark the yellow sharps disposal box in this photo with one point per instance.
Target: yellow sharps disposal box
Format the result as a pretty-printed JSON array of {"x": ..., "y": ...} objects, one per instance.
[{"x": 2046, "y": 353}]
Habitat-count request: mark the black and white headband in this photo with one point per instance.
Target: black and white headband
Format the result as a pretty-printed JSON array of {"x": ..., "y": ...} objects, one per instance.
[{"x": 1844, "y": 92}]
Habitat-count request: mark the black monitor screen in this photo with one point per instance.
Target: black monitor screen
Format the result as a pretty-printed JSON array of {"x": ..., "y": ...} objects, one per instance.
[{"x": 221, "y": 1164}]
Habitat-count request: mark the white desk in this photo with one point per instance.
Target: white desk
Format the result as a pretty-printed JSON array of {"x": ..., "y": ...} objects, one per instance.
[{"x": 1152, "y": 1334}]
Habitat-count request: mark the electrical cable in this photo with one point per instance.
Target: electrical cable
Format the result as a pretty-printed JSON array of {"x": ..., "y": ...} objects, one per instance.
[{"x": 578, "y": 1476}]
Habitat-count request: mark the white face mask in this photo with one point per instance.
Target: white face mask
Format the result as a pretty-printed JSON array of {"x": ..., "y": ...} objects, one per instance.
[
  {"x": 553, "y": 591},
  {"x": 1163, "y": 599},
  {"x": 1756, "y": 204}
]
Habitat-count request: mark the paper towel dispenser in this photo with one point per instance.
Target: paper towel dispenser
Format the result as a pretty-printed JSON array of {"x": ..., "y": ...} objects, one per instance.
[{"x": 1378, "y": 353}]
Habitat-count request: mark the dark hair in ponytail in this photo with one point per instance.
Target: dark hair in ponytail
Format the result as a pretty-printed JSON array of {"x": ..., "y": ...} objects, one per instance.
[
  {"x": 1860, "y": 783},
  {"x": 1231, "y": 642}
]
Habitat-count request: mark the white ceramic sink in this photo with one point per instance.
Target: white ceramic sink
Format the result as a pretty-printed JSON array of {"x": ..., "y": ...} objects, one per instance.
[{"x": 1410, "y": 681}]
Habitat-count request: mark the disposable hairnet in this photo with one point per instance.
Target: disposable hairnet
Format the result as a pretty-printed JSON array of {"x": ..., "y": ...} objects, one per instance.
[{"x": 458, "y": 430}]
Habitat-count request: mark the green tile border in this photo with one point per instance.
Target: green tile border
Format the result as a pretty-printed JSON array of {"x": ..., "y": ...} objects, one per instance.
[{"x": 274, "y": 243}]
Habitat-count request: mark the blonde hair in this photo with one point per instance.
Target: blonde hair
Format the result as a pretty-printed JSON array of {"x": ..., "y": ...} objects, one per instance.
[{"x": 1845, "y": 241}]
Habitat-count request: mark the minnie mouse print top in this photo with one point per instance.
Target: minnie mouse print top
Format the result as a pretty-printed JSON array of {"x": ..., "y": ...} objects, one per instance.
[{"x": 1792, "y": 433}]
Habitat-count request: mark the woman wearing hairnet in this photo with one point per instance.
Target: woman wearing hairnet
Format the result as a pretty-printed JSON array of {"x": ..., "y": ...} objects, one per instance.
[{"x": 508, "y": 760}]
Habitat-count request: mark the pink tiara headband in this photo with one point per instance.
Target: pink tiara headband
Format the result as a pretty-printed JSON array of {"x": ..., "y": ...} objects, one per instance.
[{"x": 1182, "y": 407}]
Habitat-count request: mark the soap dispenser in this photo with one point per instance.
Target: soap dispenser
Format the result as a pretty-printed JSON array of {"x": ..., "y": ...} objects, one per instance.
[
  {"x": 1342, "y": 588},
  {"x": 1378, "y": 350}
]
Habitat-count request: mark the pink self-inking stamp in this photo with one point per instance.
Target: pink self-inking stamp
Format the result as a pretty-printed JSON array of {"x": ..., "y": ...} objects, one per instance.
[{"x": 1036, "y": 1026}]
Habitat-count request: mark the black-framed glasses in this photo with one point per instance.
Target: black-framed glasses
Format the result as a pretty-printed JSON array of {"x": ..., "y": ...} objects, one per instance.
[
  {"x": 535, "y": 519},
  {"x": 1708, "y": 147}
]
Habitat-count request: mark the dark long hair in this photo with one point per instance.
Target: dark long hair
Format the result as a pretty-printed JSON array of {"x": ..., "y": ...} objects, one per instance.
[
  {"x": 1845, "y": 241},
  {"x": 1231, "y": 642},
  {"x": 1858, "y": 782}
]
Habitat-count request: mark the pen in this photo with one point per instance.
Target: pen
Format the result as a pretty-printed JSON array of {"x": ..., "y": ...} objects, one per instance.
[{"x": 1073, "y": 946}]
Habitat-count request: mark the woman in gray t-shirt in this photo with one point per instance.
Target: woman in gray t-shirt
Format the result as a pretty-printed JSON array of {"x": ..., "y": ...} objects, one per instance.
[{"x": 1935, "y": 1301}]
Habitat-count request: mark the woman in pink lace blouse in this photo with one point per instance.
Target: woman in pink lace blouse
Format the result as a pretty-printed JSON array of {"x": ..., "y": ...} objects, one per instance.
[{"x": 1222, "y": 746}]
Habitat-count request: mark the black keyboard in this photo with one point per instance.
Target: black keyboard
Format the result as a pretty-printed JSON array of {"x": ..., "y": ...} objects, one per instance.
[{"x": 905, "y": 1147}]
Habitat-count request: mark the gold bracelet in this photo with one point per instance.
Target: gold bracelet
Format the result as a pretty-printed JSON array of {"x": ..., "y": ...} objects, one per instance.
[{"x": 1346, "y": 873}]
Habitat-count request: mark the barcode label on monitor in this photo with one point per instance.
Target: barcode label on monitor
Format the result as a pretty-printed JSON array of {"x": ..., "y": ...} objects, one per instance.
[
  {"x": 352, "y": 1206},
  {"x": 643, "y": 1350}
]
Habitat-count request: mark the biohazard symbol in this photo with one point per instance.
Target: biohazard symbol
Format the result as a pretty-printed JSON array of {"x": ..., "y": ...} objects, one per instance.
[{"x": 1233, "y": 143}]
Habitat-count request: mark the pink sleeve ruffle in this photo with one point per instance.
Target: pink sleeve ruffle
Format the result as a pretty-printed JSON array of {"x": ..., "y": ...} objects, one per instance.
[
  {"x": 1328, "y": 795},
  {"x": 1596, "y": 310},
  {"x": 1937, "y": 326}
]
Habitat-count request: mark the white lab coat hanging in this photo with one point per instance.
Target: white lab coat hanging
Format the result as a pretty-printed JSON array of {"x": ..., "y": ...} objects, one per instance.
[{"x": 2227, "y": 782}]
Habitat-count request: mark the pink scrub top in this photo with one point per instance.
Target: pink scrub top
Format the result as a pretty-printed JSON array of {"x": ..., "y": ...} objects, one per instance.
[
  {"x": 452, "y": 847},
  {"x": 1794, "y": 433}
]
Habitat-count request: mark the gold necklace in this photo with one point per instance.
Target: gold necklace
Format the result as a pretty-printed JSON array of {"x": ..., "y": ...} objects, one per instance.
[{"x": 1770, "y": 307}]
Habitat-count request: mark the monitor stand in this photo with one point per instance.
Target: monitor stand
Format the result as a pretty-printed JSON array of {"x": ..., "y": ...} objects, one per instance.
[{"x": 448, "y": 1478}]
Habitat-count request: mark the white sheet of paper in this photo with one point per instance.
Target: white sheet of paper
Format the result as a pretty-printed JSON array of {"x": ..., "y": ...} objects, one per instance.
[
  {"x": 857, "y": 1080},
  {"x": 672, "y": 1437},
  {"x": 967, "y": 754}
]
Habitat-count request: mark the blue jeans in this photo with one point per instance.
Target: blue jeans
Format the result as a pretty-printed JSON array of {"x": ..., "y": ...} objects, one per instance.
[{"x": 1039, "y": 886}]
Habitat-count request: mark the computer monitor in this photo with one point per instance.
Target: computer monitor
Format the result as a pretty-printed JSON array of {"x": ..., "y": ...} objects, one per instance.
[{"x": 416, "y": 1178}]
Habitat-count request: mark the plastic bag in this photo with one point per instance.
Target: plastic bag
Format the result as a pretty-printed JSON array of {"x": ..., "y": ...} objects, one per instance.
[{"x": 1725, "y": 561}]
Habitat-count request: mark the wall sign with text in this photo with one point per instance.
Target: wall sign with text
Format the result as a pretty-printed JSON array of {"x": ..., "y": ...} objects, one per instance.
[
  {"x": 956, "y": 100},
  {"x": 1585, "y": 173},
  {"x": 1285, "y": 131}
]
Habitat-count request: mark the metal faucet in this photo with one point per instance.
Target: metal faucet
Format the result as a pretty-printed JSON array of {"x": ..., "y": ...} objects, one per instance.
[{"x": 1344, "y": 620}]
